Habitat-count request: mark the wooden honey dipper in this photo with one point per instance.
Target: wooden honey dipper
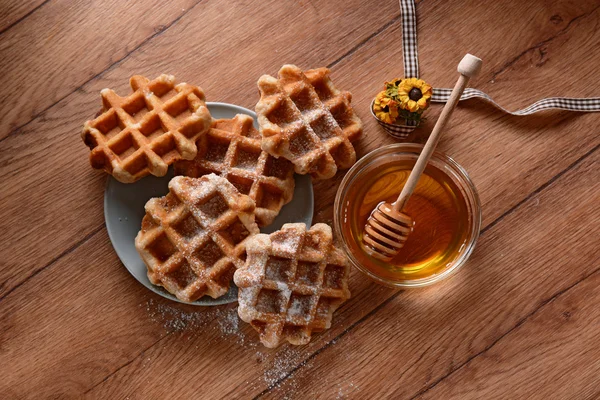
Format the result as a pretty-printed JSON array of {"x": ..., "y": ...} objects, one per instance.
[{"x": 388, "y": 227}]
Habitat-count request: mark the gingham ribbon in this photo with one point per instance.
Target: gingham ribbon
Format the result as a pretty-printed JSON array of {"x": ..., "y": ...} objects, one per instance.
[
  {"x": 589, "y": 104},
  {"x": 410, "y": 54},
  {"x": 441, "y": 95}
]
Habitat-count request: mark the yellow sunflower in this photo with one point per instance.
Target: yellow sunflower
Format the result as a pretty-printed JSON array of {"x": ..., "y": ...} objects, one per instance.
[
  {"x": 385, "y": 108},
  {"x": 414, "y": 94}
]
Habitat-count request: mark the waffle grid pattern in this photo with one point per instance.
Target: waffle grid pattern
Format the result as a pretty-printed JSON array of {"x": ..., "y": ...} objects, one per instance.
[
  {"x": 193, "y": 239},
  {"x": 147, "y": 131},
  {"x": 232, "y": 149},
  {"x": 292, "y": 283},
  {"x": 301, "y": 117},
  {"x": 336, "y": 101}
]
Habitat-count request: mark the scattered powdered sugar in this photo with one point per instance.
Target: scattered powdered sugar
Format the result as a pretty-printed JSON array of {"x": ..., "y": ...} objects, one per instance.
[
  {"x": 225, "y": 323},
  {"x": 346, "y": 389},
  {"x": 229, "y": 323},
  {"x": 172, "y": 318},
  {"x": 283, "y": 363},
  {"x": 221, "y": 321},
  {"x": 176, "y": 318},
  {"x": 289, "y": 362}
]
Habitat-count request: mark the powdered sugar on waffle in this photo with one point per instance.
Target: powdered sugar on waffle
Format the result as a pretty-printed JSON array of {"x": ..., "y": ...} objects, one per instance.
[
  {"x": 296, "y": 309},
  {"x": 284, "y": 289},
  {"x": 289, "y": 245},
  {"x": 182, "y": 237},
  {"x": 300, "y": 115},
  {"x": 196, "y": 191}
]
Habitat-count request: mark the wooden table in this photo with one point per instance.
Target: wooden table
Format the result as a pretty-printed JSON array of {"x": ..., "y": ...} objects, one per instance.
[{"x": 520, "y": 320}]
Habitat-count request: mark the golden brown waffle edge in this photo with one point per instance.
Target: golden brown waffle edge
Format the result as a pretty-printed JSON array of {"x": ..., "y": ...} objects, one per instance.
[{"x": 145, "y": 132}]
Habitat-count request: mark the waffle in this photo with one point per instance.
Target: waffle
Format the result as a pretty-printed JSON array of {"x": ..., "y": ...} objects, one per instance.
[
  {"x": 193, "y": 239},
  {"x": 306, "y": 120},
  {"x": 232, "y": 149},
  {"x": 291, "y": 284},
  {"x": 148, "y": 130}
]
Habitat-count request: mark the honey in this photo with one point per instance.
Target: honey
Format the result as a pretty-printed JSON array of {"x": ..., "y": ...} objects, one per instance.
[{"x": 445, "y": 212}]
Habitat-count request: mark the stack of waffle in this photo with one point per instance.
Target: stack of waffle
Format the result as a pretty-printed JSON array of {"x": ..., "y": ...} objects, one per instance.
[{"x": 235, "y": 178}]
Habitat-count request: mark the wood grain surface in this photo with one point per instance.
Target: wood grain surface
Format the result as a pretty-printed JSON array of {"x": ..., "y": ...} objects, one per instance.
[{"x": 520, "y": 320}]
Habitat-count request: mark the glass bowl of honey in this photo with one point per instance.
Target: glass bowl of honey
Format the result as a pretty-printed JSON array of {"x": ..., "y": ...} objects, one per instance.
[{"x": 444, "y": 206}]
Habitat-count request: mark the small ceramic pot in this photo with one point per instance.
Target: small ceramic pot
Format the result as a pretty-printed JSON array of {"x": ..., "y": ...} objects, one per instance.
[{"x": 395, "y": 130}]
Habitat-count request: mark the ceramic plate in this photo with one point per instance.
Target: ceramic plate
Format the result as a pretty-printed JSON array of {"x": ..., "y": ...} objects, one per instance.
[{"x": 124, "y": 210}]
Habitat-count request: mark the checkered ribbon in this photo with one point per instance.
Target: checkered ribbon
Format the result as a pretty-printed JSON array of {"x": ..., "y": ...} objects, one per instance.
[
  {"x": 410, "y": 53},
  {"x": 411, "y": 69}
]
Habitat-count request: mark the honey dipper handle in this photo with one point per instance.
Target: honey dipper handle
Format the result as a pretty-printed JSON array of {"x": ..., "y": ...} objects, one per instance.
[{"x": 468, "y": 67}]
